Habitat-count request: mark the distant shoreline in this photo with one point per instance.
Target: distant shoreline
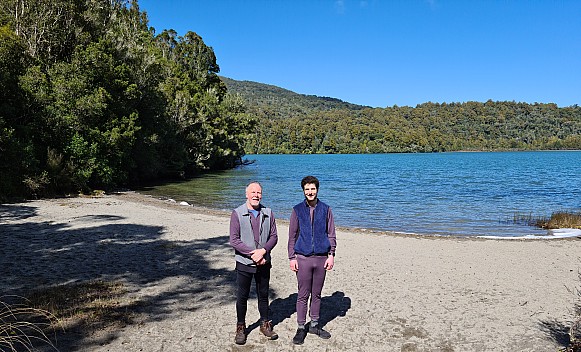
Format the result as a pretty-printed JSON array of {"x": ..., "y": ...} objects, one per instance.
[{"x": 445, "y": 152}]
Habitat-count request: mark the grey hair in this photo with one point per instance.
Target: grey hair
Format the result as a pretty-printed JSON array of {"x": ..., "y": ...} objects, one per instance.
[{"x": 253, "y": 182}]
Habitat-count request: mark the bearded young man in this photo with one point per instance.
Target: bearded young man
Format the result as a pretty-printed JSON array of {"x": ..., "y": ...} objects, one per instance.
[{"x": 311, "y": 252}]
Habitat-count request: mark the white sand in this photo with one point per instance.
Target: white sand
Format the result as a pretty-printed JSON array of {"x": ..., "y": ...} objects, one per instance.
[{"x": 386, "y": 293}]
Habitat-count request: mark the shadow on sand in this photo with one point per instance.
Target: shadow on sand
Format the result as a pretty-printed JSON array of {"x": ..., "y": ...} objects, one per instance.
[
  {"x": 556, "y": 331},
  {"x": 332, "y": 307},
  {"x": 37, "y": 255}
]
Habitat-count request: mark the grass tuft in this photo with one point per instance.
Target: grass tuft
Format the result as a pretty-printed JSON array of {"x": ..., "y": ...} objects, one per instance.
[
  {"x": 95, "y": 303},
  {"x": 557, "y": 220},
  {"x": 22, "y": 326},
  {"x": 88, "y": 307},
  {"x": 560, "y": 220}
]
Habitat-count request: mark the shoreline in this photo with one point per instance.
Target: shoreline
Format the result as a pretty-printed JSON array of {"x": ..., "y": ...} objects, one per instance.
[
  {"x": 570, "y": 233},
  {"x": 386, "y": 292}
]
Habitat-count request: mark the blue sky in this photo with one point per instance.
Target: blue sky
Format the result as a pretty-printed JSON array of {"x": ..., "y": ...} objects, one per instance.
[{"x": 385, "y": 53}]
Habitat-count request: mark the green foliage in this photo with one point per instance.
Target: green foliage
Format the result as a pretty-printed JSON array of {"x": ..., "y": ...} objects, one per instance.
[
  {"x": 294, "y": 123},
  {"x": 92, "y": 98},
  {"x": 12, "y": 64},
  {"x": 281, "y": 103}
]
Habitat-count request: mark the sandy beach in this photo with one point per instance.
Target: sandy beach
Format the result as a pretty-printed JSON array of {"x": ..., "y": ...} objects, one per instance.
[{"x": 387, "y": 292}]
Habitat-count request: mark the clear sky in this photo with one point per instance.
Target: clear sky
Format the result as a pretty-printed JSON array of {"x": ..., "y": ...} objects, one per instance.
[{"x": 382, "y": 53}]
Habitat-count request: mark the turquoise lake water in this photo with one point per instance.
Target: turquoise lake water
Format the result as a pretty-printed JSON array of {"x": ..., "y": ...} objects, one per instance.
[{"x": 463, "y": 194}]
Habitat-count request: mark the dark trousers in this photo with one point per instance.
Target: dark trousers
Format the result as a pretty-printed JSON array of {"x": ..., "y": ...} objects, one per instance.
[
  {"x": 311, "y": 278},
  {"x": 244, "y": 280}
]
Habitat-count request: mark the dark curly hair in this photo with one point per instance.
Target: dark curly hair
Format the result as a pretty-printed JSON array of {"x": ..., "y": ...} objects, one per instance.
[{"x": 310, "y": 179}]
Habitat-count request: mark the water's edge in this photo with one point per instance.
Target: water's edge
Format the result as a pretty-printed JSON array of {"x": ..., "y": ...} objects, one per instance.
[{"x": 551, "y": 234}]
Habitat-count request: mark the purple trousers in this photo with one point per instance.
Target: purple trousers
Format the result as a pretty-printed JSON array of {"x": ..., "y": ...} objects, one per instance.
[{"x": 310, "y": 277}]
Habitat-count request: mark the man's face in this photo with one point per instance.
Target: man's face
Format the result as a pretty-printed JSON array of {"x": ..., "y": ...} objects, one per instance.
[
  {"x": 310, "y": 191},
  {"x": 253, "y": 195}
]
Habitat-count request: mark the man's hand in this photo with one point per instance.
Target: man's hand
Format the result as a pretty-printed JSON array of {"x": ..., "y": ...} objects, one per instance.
[
  {"x": 257, "y": 255},
  {"x": 330, "y": 262},
  {"x": 294, "y": 265}
]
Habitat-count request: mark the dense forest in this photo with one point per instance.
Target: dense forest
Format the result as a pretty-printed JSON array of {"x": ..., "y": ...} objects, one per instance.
[
  {"x": 92, "y": 98},
  {"x": 296, "y": 123}
]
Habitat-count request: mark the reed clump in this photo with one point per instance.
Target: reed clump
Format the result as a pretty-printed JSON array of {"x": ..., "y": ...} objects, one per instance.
[
  {"x": 23, "y": 326},
  {"x": 557, "y": 220},
  {"x": 560, "y": 220},
  {"x": 85, "y": 306}
]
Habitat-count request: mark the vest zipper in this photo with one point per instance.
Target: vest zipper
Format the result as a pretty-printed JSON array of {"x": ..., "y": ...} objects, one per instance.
[{"x": 313, "y": 229}]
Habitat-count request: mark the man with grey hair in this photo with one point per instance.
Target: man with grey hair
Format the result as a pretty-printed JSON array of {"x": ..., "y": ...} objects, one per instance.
[{"x": 253, "y": 235}]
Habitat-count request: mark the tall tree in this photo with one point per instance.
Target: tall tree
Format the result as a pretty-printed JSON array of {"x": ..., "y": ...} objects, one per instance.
[{"x": 93, "y": 98}]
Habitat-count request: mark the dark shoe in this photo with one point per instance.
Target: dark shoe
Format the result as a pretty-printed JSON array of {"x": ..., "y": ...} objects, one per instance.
[
  {"x": 318, "y": 330},
  {"x": 266, "y": 329},
  {"x": 300, "y": 336},
  {"x": 240, "y": 338}
]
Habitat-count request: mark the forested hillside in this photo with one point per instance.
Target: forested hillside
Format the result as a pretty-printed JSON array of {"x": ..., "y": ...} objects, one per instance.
[
  {"x": 281, "y": 103},
  {"x": 295, "y": 123},
  {"x": 91, "y": 97}
]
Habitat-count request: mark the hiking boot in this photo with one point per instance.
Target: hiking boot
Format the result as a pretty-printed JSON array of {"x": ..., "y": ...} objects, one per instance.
[
  {"x": 266, "y": 329},
  {"x": 318, "y": 330},
  {"x": 240, "y": 338},
  {"x": 300, "y": 336}
]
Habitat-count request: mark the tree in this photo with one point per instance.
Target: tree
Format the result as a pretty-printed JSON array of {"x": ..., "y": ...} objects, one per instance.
[{"x": 92, "y": 98}]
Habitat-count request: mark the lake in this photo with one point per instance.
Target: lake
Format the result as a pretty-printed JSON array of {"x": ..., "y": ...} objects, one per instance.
[{"x": 459, "y": 193}]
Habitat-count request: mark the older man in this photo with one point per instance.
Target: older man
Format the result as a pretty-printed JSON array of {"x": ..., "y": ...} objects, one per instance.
[{"x": 253, "y": 235}]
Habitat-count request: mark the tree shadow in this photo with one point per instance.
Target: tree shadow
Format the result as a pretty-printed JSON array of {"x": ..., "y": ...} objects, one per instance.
[
  {"x": 165, "y": 275},
  {"x": 556, "y": 331},
  {"x": 16, "y": 212}
]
